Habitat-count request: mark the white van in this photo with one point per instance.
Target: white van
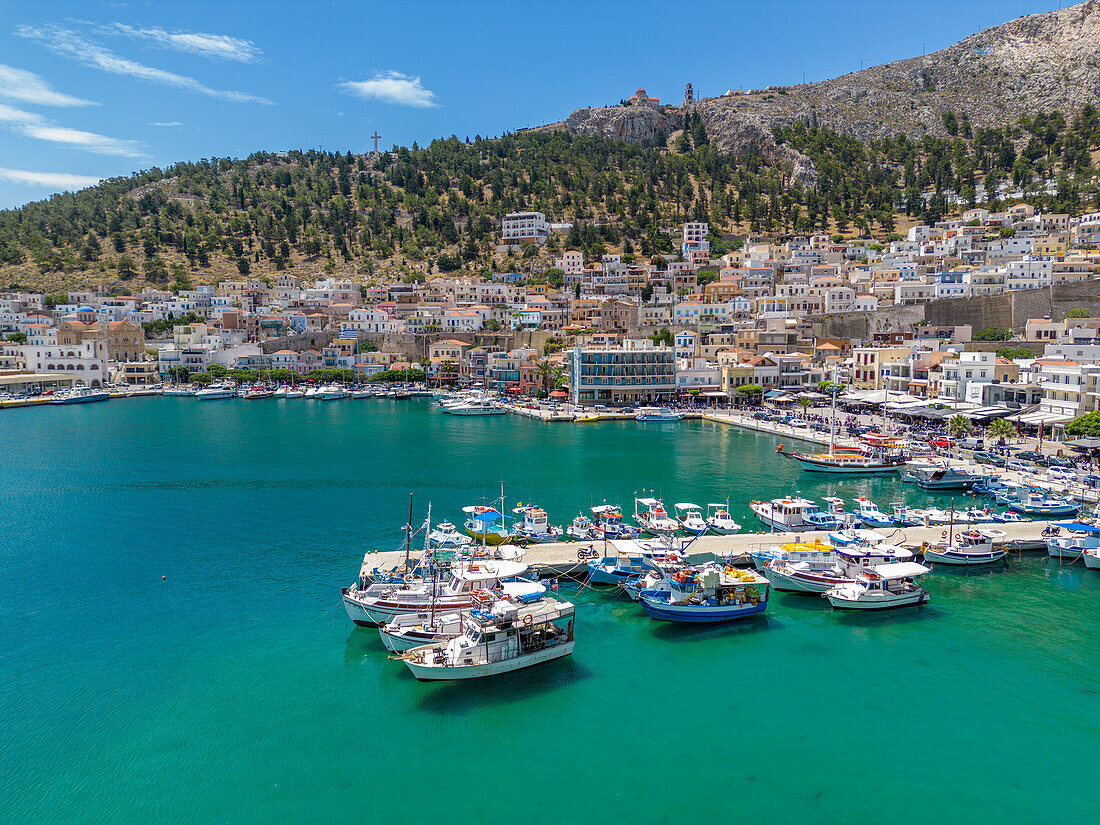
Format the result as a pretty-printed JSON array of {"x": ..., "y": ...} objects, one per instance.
[{"x": 972, "y": 443}]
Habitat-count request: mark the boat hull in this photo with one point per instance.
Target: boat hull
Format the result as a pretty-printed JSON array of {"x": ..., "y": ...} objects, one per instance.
[
  {"x": 965, "y": 559},
  {"x": 802, "y": 582},
  {"x": 904, "y": 600},
  {"x": 376, "y": 612},
  {"x": 438, "y": 673},
  {"x": 816, "y": 465},
  {"x": 699, "y": 614},
  {"x": 1092, "y": 561}
]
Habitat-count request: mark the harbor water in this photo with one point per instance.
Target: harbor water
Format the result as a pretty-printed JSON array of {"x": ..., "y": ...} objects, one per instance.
[{"x": 174, "y": 650}]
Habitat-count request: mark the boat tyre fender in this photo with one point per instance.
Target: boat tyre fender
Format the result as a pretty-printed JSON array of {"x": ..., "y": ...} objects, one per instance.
[
  {"x": 943, "y": 535},
  {"x": 527, "y": 620}
]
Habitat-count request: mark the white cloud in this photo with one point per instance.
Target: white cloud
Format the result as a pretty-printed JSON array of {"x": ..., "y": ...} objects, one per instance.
[
  {"x": 166, "y": 123},
  {"x": 392, "y": 87},
  {"x": 27, "y": 87},
  {"x": 213, "y": 46},
  {"x": 68, "y": 43},
  {"x": 33, "y": 125},
  {"x": 53, "y": 180}
]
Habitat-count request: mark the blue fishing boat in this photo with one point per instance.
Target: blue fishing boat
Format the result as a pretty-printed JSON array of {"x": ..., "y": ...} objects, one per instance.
[
  {"x": 1037, "y": 504},
  {"x": 869, "y": 515},
  {"x": 713, "y": 594},
  {"x": 616, "y": 569}
]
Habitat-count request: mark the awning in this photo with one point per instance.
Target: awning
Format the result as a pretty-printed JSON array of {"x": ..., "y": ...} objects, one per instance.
[
  {"x": 1084, "y": 444},
  {"x": 1040, "y": 417},
  {"x": 716, "y": 394},
  {"x": 513, "y": 388},
  {"x": 559, "y": 393},
  {"x": 986, "y": 413}
]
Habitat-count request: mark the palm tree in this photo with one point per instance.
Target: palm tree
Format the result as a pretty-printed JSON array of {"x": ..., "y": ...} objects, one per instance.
[
  {"x": 544, "y": 369},
  {"x": 1000, "y": 429},
  {"x": 959, "y": 425},
  {"x": 804, "y": 402}
]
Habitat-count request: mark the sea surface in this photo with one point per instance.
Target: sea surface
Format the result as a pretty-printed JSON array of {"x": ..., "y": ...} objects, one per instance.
[{"x": 173, "y": 650}]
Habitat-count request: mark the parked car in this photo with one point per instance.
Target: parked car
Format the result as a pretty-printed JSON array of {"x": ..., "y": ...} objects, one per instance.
[
  {"x": 1059, "y": 473},
  {"x": 972, "y": 443},
  {"x": 943, "y": 442},
  {"x": 1018, "y": 466},
  {"x": 989, "y": 458},
  {"x": 1029, "y": 455}
]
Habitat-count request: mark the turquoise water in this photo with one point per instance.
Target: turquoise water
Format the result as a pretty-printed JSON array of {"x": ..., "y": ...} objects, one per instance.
[{"x": 235, "y": 691}]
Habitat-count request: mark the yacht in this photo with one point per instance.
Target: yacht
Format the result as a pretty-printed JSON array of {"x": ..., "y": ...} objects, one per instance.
[
  {"x": 651, "y": 515},
  {"x": 789, "y": 513},
  {"x": 691, "y": 519},
  {"x": 379, "y": 602},
  {"x": 720, "y": 521},
  {"x": 216, "y": 391},
  {"x": 662, "y": 414},
  {"x": 535, "y": 525},
  {"x": 330, "y": 392},
  {"x": 445, "y": 536},
  {"x": 80, "y": 395},
  {"x": 943, "y": 477},
  {"x": 293, "y": 393},
  {"x": 481, "y": 406},
  {"x": 967, "y": 549},
  {"x": 881, "y": 587},
  {"x": 609, "y": 520},
  {"x": 255, "y": 393},
  {"x": 711, "y": 594},
  {"x": 498, "y": 638}
]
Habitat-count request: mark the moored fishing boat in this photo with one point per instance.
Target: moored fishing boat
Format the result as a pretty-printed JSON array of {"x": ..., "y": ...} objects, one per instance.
[
  {"x": 535, "y": 526},
  {"x": 610, "y": 524},
  {"x": 1091, "y": 555},
  {"x": 1040, "y": 504},
  {"x": 582, "y": 529},
  {"x": 445, "y": 536},
  {"x": 485, "y": 525},
  {"x": 870, "y": 515},
  {"x": 793, "y": 513},
  {"x": 816, "y": 549},
  {"x": 500, "y": 639},
  {"x": 711, "y": 594},
  {"x": 816, "y": 573},
  {"x": 652, "y": 517},
  {"x": 943, "y": 477},
  {"x": 691, "y": 519},
  {"x": 720, "y": 521},
  {"x": 881, "y": 587},
  {"x": 970, "y": 548}
]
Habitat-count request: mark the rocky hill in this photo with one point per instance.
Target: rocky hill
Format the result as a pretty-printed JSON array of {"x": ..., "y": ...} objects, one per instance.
[{"x": 1039, "y": 63}]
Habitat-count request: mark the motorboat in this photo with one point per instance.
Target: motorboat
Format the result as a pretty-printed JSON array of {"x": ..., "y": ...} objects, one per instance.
[
  {"x": 481, "y": 406},
  {"x": 652, "y": 517},
  {"x": 293, "y": 393},
  {"x": 216, "y": 391},
  {"x": 258, "y": 392},
  {"x": 881, "y": 587},
  {"x": 1091, "y": 555},
  {"x": 80, "y": 395},
  {"x": 658, "y": 414},
  {"x": 427, "y": 627},
  {"x": 720, "y": 521},
  {"x": 498, "y": 638},
  {"x": 445, "y": 536},
  {"x": 943, "y": 477},
  {"x": 1081, "y": 537},
  {"x": 793, "y": 513},
  {"x": 967, "y": 549},
  {"x": 378, "y": 602},
  {"x": 625, "y": 564},
  {"x": 1040, "y": 504},
  {"x": 691, "y": 518},
  {"x": 610, "y": 524},
  {"x": 582, "y": 529},
  {"x": 818, "y": 572},
  {"x": 710, "y": 594},
  {"x": 1010, "y": 517},
  {"x": 815, "y": 550},
  {"x": 870, "y": 515},
  {"x": 486, "y": 525},
  {"x": 535, "y": 525}
]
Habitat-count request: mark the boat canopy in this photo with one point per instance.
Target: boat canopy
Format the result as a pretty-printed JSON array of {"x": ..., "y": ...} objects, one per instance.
[
  {"x": 626, "y": 547},
  {"x": 646, "y": 502},
  {"x": 600, "y": 509},
  {"x": 900, "y": 569},
  {"x": 687, "y": 506},
  {"x": 518, "y": 590},
  {"x": 482, "y": 513},
  {"x": 486, "y": 570}
]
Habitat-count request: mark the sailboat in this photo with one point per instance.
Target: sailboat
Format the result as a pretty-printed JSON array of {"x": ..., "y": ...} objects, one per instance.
[{"x": 882, "y": 455}]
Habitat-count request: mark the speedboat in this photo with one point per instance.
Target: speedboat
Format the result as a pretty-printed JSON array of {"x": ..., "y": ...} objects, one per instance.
[
  {"x": 690, "y": 517},
  {"x": 652, "y": 516},
  {"x": 445, "y": 536},
  {"x": 943, "y": 477},
  {"x": 498, "y": 638},
  {"x": 720, "y": 521},
  {"x": 486, "y": 525},
  {"x": 582, "y": 529},
  {"x": 378, "y": 602},
  {"x": 536, "y": 525},
  {"x": 881, "y": 587},
  {"x": 1010, "y": 517},
  {"x": 711, "y": 594},
  {"x": 609, "y": 521},
  {"x": 793, "y": 514},
  {"x": 869, "y": 514},
  {"x": 482, "y": 406},
  {"x": 662, "y": 414},
  {"x": 216, "y": 391},
  {"x": 967, "y": 549}
]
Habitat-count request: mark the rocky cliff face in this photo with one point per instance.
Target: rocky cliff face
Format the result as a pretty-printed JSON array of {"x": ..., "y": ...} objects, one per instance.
[{"x": 1038, "y": 63}]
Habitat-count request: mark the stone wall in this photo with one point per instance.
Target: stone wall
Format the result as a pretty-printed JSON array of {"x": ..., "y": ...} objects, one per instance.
[
  {"x": 1012, "y": 310},
  {"x": 298, "y": 343}
]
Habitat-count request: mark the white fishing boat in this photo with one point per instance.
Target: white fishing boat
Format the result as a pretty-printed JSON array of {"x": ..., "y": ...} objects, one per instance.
[
  {"x": 498, "y": 639},
  {"x": 216, "y": 391},
  {"x": 691, "y": 518},
  {"x": 535, "y": 524},
  {"x": 793, "y": 513},
  {"x": 582, "y": 529},
  {"x": 968, "y": 548},
  {"x": 720, "y": 521},
  {"x": 610, "y": 524},
  {"x": 1071, "y": 547},
  {"x": 411, "y": 630},
  {"x": 651, "y": 516},
  {"x": 881, "y": 587},
  {"x": 1091, "y": 555},
  {"x": 811, "y": 572},
  {"x": 868, "y": 514},
  {"x": 445, "y": 536},
  {"x": 379, "y": 602}
]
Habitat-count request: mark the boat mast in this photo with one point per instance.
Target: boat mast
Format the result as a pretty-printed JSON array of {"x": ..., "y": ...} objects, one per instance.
[
  {"x": 832, "y": 424},
  {"x": 409, "y": 533}
]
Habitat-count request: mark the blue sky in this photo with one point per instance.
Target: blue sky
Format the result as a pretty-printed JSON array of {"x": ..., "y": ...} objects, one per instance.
[{"x": 98, "y": 89}]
